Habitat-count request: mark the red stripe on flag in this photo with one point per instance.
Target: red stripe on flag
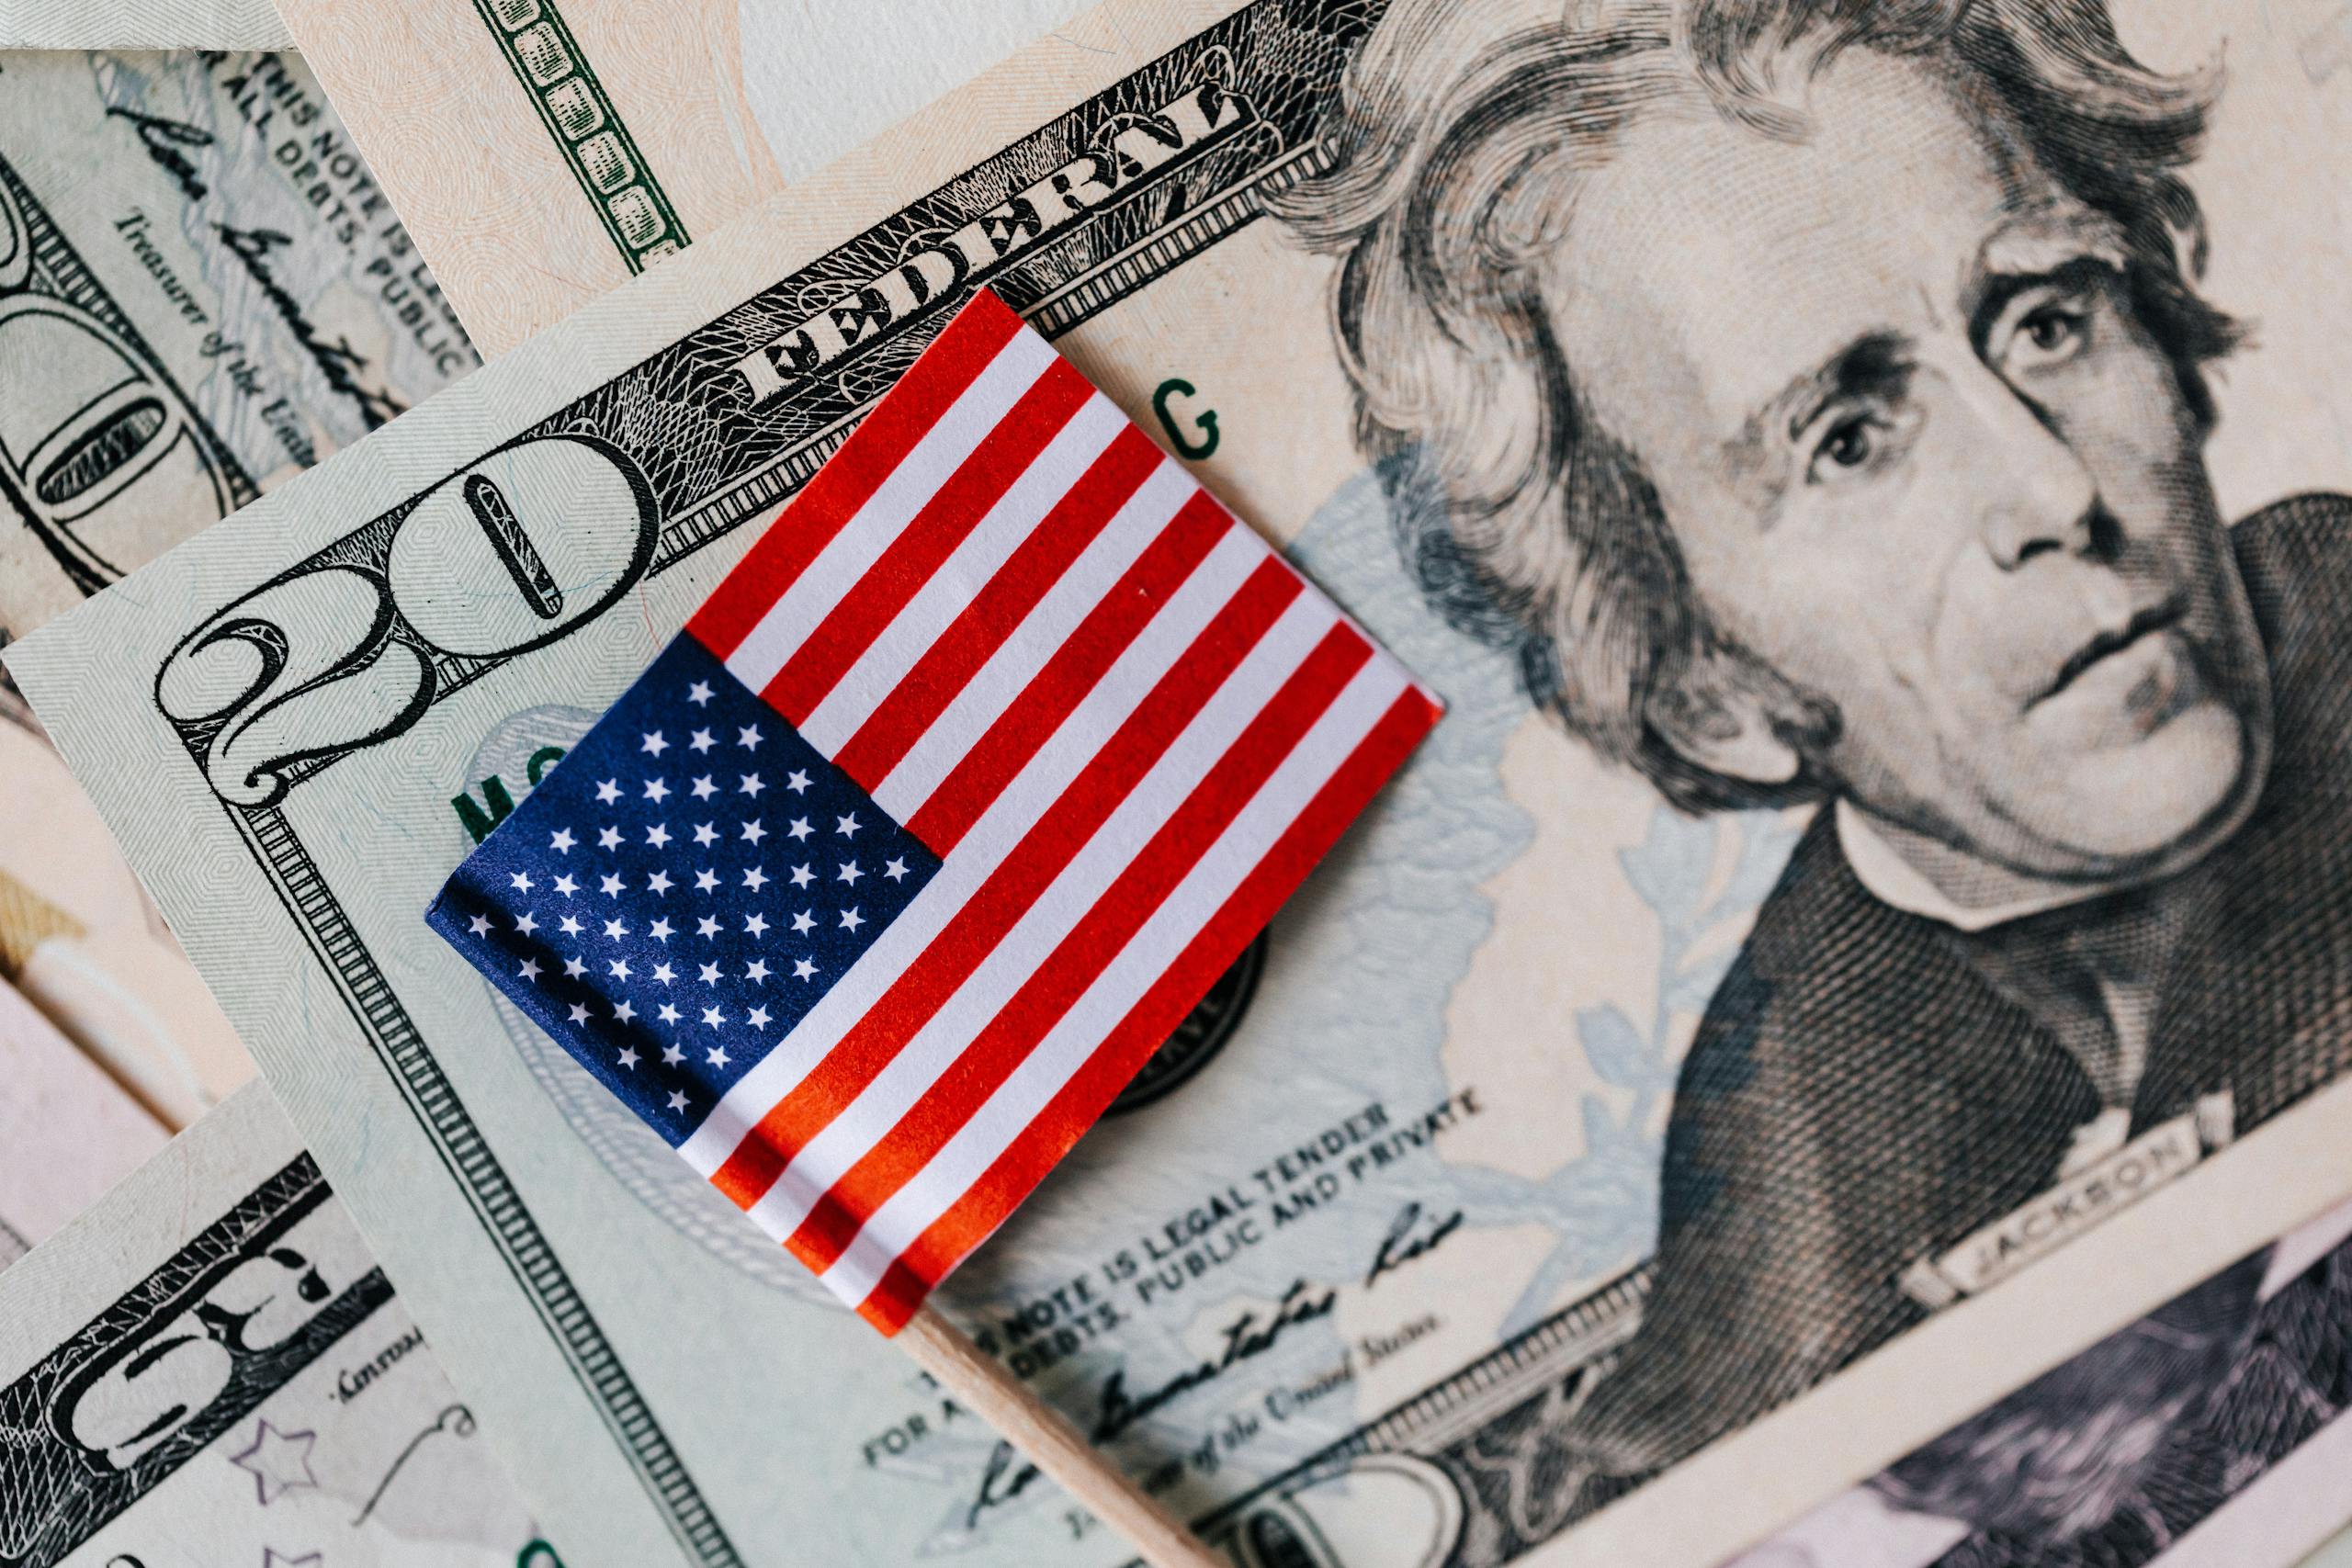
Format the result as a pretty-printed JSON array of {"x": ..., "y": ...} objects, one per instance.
[
  {"x": 973, "y": 932},
  {"x": 1115, "y": 918},
  {"x": 1077, "y": 1105},
  {"x": 909, "y": 561},
  {"x": 1033, "y": 568},
  {"x": 874, "y": 449},
  {"x": 1068, "y": 675}
]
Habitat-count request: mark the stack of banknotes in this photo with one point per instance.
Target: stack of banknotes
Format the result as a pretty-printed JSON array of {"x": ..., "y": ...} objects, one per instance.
[{"x": 1831, "y": 1055}]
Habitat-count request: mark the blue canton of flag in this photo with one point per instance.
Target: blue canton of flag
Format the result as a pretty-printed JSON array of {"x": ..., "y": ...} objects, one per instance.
[
  {"x": 681, "y": 889},
  {"x": 963, "y": 785}
]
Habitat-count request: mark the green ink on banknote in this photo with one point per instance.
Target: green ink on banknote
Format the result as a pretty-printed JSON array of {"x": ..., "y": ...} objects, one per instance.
[
  {"x": 497, "y": 800},
  {"x": 477, "y": 820},
  {"x": 586, "y": 128},
  {"x": 1187, "y": 446}
]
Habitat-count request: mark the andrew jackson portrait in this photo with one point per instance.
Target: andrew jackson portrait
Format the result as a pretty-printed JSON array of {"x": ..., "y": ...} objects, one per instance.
[{"x": 1812, "y": 395}]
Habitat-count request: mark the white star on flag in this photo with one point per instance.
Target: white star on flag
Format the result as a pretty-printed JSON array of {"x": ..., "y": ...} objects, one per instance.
[{"x": 1089, "y": 730}]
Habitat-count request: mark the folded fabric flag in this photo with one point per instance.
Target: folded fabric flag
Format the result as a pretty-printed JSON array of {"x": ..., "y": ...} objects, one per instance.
[{"x": 956, "y": 794}]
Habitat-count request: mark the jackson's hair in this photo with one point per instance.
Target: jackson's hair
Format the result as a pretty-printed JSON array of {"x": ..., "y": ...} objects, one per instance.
[{"x": 1465, "y": 126}]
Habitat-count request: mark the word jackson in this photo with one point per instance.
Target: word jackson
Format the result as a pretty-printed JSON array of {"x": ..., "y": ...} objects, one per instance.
[{"x": 1812, "y": 392}]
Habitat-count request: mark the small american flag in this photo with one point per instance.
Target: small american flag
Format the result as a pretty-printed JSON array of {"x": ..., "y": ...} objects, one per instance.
[{"x": 957, "y": 794}]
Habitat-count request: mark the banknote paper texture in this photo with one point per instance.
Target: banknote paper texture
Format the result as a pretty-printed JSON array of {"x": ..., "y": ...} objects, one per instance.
[
  {"x": 202, "y": 290},
  {"x": 1408, "y": 1260},
  {"x": 2251, "y": 1476},
  {"x": 607, "y": 136},
  {"x": 208, "y": 1367},
  {"x": 142, "y": 24}
]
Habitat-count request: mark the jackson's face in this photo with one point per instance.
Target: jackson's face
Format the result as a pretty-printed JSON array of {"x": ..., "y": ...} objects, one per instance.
[{"x": 1920, "y": 457}]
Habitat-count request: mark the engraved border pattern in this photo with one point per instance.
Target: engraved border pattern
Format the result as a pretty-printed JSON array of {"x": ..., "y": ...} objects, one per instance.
[
  {"x": 1582, "y": 1335},
  {"x": 57, "y": 271},
  {"x": 51, "y": 1498},
  {"x": 585, "y": 128},
  {"x": 433, "y": 1100}
]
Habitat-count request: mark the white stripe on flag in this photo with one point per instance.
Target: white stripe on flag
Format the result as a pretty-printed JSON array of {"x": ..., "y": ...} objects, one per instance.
[
  {"x": 960, "y": 1166},
  {"x": 1008, "y": 670},
  {"x": 888, "y": 660},
  {"x": 968, "y": 420},
  {"x": 992, "y": 836},
  {"x": 1155, "y": 797}
]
